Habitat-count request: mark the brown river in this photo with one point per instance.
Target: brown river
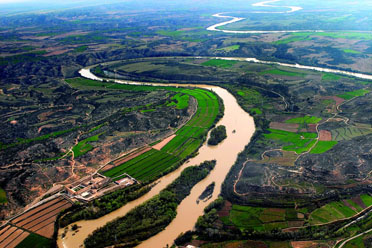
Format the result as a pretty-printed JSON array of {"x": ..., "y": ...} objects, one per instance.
[{"x": 240, "y": 128}]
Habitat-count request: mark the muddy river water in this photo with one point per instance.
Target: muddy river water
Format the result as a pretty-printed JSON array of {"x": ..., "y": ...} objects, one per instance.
[{"x": 240, "y": 128}]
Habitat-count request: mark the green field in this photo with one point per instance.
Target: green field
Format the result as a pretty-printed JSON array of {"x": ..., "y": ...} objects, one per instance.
[
  {"x": 3, "y": 198},
  {"x": 144, "y": 167},
  {"x": 323, "y": 146},
  {"x": 229, "y": 48},
  {"x": 283, "y": 73},
  {"x": 259, "y": 218},
  {"x": 220, "y": 63},
  {"x": 297, "y": 142},
  {"x": 305, "y": 119},
  {"x": 83, "y": 146},
  {"x": 35, "y": 241},
  {"x": 347, "y": 133},
  {"x": 338, "y": 210},
  {"x": 351, "y": 51},
  {"x": 326, "y": 76},
  {"x": 352, "y": 94},
  {"x": 181, "y": 101}
]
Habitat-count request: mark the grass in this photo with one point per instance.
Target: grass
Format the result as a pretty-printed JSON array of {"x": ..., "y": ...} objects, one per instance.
[
  {"x": 80, "y": 49},
  {"x": 323, "y": 146},
  {"x": 326, "y": 76},
  {"x": 367, "y": 199},
  {"x": 348, "y": 133},
  {"x": 355, "y": 243},
  {"x": 352, "y": 94},
  {"x": 306, "y": 119},
  {"x": 3, "y": 198},
  {"x": 43, "y": 137},
  {"x": 351, "y": 51},
  {"x": 246, "y": 217},
  {"x": 35, "y": 241},
  {"x": 144, "y": 167},
  {"x": 220, "y": 63},
  {"x": 182, "y": 101},
  {"x": 282, "y": 73},
  {"x": 298, "y": 142},
  {"x": 259, "y": 219},
  {"x": 292, "y": 39},
  {"x": 83, "y": 146},
  {"x": 338, "y": 210},
  {"x": 229, "y": 48},
  {"x": 256, "y": 111}
]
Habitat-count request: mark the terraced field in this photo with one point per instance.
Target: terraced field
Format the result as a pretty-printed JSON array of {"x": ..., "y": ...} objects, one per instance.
[
  {"x": 347, "y": 133},
  {"x": 188, "y": 139},
  {"x": 341, "y": 209}
]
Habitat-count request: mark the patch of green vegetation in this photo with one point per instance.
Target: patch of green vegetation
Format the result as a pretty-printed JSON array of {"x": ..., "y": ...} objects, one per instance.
[
  {"x": 3, "y": 198},
  {"x": 355, "y": 243},
  {"x": 83, "y": 38},
  {"x": 352, "y": 94},
  {"x": 306, "y": 119},
  {"x": 331, "y": 212},
  {"x": 229, "y": 48},
  {"x": 292, "y": 39},
  {"x": 83, "y": 146},
  {"x": 299, "y": 142},
  {"x": 80, "y": 49},
  {"x": 43, "y": 137},
  {"x": 348, "y": 133},
  {"x": 182, "y": 101},
  {"x": 31, "y": 57},
  {"x": 367, "y": 199},
  {"x": 170, "y": 33},
  {"x": 344, "y": 35},
  {"x": 97, "y": 127},
  {"x": 326, "y": 76},
  {"x": 256, "y": 111},
  {"x": 323, "y": 146},
  {"x": 351, "y": 51},
  {"x": 35, "y": 241},
  {"x": 219, "y": 63},
  {"x": 246, "y": 217},
  {"x": 282, "y": 73},
  {"x": 147, "y": 110}
]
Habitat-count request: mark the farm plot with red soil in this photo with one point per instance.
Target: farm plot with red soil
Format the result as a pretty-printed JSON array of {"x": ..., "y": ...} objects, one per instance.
[
  {"x": 163, "y": 142},
  {"x": 11, "y": 236},
  {"x": 41, "y": 219},
  {"x": 289, "y": 127},
  {"x": 325, "y": 135}
]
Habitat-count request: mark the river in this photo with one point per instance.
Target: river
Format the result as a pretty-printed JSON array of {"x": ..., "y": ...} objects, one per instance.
[
  {"x": 235, "y": 119},
  {"x": 259, "y": 4}
]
